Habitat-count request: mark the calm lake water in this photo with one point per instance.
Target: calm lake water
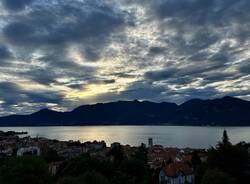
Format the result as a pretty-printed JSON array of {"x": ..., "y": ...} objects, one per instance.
[{"x": 169, "y": 136}]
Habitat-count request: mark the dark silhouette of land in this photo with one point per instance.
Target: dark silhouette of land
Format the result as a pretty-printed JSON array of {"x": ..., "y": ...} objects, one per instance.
[{"x": 226, "y": 111}]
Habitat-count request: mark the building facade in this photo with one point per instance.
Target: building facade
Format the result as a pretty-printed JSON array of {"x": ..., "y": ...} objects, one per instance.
[{"x": 176, "y": 173}]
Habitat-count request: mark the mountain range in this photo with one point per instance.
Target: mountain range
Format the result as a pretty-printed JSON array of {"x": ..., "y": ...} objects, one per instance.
[{"x": 226, "y": 111}]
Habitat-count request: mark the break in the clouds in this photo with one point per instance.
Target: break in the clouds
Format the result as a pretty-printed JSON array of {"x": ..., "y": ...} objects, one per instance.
[{"x": 63, "y": 53}]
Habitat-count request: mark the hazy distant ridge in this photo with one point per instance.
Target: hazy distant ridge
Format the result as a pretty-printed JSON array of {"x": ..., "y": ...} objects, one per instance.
[{"x": 224, "y": 111}]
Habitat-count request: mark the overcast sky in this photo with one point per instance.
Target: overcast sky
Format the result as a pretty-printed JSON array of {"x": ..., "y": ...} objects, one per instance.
[{"x": 63, "y": 53}]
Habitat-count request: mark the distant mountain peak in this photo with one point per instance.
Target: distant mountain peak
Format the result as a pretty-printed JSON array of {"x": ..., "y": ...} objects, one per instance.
[
  {"x": 197, "y": 100},
  {"x": 44, "y": 111},
  {"x": 228, "y": 97},
  {"x": 231, "y": 98},
  {"x": 224, "y": 111}
]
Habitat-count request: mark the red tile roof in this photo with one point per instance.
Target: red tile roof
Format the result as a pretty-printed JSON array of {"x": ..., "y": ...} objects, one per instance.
[
  {"x": 174, "y": 169},
  {"x": 187, "y": 158}
]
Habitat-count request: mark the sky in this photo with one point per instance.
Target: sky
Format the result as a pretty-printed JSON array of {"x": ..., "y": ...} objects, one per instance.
[{"x": 60, "y": 54}]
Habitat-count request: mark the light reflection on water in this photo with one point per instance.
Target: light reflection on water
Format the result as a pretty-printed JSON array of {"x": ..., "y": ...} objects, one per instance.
[{"x": 169, "y": 136}]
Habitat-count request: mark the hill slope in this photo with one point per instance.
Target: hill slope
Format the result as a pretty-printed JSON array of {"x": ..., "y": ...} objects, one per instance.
[{"x": 225, "y": 111}]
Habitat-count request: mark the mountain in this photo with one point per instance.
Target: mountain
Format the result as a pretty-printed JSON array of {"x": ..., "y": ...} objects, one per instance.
[
  {"x": 227, "y": 111},
  {"x": 125, "y": 112}
]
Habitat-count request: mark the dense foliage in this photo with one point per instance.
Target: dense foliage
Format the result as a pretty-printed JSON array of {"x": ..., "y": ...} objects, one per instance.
[
  {"x": 23, "y": 170},
  {"x": 114, "y": 169},
  {"x": 226, "y": 163}
]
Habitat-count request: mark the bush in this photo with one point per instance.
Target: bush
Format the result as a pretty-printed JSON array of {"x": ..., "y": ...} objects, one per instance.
[{"x": 23, "y": 170}]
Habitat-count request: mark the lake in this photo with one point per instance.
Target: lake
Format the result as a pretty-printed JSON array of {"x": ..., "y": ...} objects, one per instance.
[{"x": 168, "y": 136}]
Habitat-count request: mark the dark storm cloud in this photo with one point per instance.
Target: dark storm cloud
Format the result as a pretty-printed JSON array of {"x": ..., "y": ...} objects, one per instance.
[
  {"x": 13, "y": 94},
  {"x": 59, "y": 25},
  {"x": 74, "y": 75},
  {"x": 207, "y": 37},
  {"x": 198, "y": 24},
  {"x": 157, "y": 50},
  {"x": 5, "y": 55},
  {"x": 161, "y": 74},
  {"x": 183, "y": 95},
  {"x": 218, "y": 76},
  {"x": 244, "y": 67},
  {"x": 57, "y": 66},
  {"x": 80, "y": 83},
  {"x": 123, "y": 75},
  {"x": 44, "y": 97},
  {"x": 58, "y": 60},
  {"x": 16, "y": 5},
  {"x": 200, "y": 12},
  {"x": 41, "y": 76},
  {"x": 181, "y": 80},
  {"x": 140, "y": 90},
  {"x": 171, "y": 50},
  {"x": 8, "y": 92},
  {"x": 190, "y": 70},
  {"x": 4, "y": 52},
  {"x": 143, "y": 90},
  {"x": 19, "y": 32}
]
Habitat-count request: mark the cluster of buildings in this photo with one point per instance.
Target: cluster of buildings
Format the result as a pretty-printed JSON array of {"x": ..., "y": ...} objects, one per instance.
[
  {"x": 174, "y": 164},
  {"x": 7, "y": 144},
  {"x": 13, "y": 145}
]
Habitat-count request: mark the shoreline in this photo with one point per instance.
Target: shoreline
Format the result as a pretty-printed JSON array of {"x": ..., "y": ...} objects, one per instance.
[{"x": 87, "y": 125}]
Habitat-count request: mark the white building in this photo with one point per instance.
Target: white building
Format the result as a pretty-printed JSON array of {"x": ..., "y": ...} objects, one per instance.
[{"x": 31, "y": 150}]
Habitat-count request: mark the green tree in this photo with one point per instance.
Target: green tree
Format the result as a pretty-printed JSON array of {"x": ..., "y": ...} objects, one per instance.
[
  {"x": 134, "y": 167},
  {"x": 225, "y": 139},
  {"x": 84, "y": 163},
  {"x": 89, "y": 177},
  {"x": 216, "y": 176},
  {"x": 196, "y": 161},
  {"x": 232, "y": 159},
  {"x": 50, "y": 155},
  {"x": 199, "y": 173},
  {"x": 117, "y": 154},
  {"x": 93, "y": 177},
  {"x": 68, "y": 180},
  {"x": 141, "y": 153},
  {"x": 23, "y": 170}
]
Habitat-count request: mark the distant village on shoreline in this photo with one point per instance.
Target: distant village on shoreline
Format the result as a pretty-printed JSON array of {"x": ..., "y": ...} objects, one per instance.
[
  {"x": 13, "y": 145},
  {"x": 171, "y": 164}
]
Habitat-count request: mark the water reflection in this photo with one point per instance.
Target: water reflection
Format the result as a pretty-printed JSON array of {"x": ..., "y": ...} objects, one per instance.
[{"x": 174, "y": 136}]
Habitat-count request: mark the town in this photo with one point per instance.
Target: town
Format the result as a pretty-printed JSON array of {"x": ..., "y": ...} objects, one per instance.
[{"x": 66, "y": 161}]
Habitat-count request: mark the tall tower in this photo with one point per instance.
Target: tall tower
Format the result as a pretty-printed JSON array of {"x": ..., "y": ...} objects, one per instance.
[{"x": 150, "y": 142}]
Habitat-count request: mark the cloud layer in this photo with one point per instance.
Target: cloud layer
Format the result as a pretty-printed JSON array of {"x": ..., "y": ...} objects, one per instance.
[{"x": 60, "y": 54}]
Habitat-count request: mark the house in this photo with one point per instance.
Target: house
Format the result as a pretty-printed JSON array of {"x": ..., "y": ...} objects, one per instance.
[
  {"x": 98, "y": 145},
  {"x": 176, "y": 173},
  {"x": 158, "y": 155},
  {"x": 31, "y": 150},
  {"x": 95, "y": 145},
  {"x": 53, "y": 167},
  {"x": 7, "y": 151},
  {"x": 70, "y": 152}
]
